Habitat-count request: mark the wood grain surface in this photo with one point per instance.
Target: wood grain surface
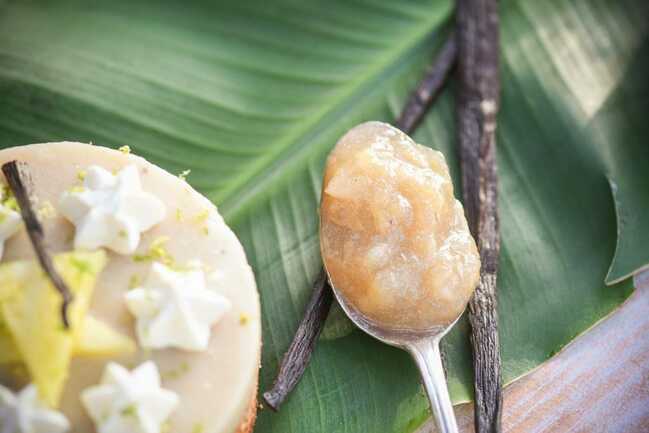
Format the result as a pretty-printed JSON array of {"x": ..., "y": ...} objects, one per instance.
[{"x": 597, "y": 384}]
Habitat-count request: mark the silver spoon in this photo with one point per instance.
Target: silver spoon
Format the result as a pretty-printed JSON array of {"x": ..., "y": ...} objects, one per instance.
[{"x": 424, "y": 348}]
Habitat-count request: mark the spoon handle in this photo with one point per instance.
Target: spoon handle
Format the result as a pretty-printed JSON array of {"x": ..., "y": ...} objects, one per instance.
[{"x": 429, "y": 361}]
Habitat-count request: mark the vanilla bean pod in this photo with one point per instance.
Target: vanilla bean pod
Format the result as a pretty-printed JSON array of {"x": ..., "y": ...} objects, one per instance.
[
  {"x": 429, "y": 88},
  {"x": 297, "y": 356},
  {"x": 477, "y": 107},
  {"x": 20, "y": 183}
]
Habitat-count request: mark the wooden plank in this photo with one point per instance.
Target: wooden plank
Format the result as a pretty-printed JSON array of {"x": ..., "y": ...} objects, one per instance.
[{"x": 597, "y": 384}]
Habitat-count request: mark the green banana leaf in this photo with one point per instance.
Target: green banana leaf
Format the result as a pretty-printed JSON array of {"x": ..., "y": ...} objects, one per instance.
[{"x": 252, "y": 95}]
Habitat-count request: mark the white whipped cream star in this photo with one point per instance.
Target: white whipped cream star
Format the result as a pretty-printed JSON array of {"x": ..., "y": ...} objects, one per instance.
[
  {"x": 111, "y": 210},
  {"x": 24, "y": 413},
  {"x": 130, "y": 402},
  {"x": 175, "y": 309}
]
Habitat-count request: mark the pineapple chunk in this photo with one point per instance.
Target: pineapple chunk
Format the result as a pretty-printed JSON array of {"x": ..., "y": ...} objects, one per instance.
[
  {"x": 8, "y": 350},
  {"x": 32, "y": 313},
  {"x": 95, "y": 338},
  {"x": 12, "y": 275}
]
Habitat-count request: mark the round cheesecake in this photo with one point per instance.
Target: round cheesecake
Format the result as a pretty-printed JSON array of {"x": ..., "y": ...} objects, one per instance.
[{"x": 216, "y": 387}]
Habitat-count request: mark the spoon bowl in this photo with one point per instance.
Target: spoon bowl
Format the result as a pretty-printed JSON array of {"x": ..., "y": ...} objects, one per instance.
[
  {"x": 398, "y": 337},
  {"x": 423, "y": 346}
]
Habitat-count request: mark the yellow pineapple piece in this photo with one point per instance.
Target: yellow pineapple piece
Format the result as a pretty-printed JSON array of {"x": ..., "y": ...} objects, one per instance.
[
  {"x": 95, "y": 338},
  {"x": 8, "y": 350},
  {"x": 12, "y": 274},
  {"x": 32, "y": 313}
]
